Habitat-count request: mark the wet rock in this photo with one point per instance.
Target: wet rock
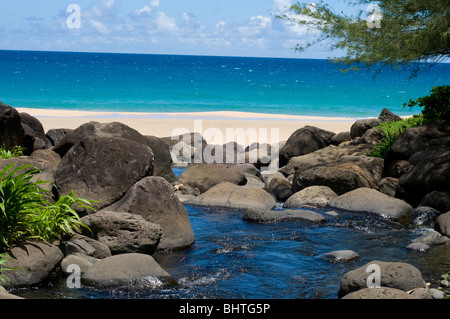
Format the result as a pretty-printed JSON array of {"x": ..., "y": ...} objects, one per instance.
[
  {"x": 437, "y": 294},
  {"x": 317, "y": 196},
  {"x": 342, "y": 176},
  {"x": 379, "y": 293},
  {"x": 421, "y": 293},
  {"x": 432, "y": 238},
  {"x": 371, "y": 201},
  {"x": 206, "y": 176},
  {"x": 341, "y": 256},
  {"x": 425, "y": 216},
  {"x": 129, "y": 270},
  {"x": 4, "y": 294},
  {"x": 153, "y": 198},
  {"x": 228, "y": 195},
  {"x": 123, "y": 232},
  {"x": 35, "y": 260},
  {"x": 271, "y": 216},
  {"x": 83, "y": 262},
  {"x": 396, "y": 275}
]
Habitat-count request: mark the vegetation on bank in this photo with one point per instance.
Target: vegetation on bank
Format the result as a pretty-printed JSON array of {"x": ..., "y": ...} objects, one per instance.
[
  {"x": 436, "y": 107},
  {"x": 16, "y": 151},
  {"x": 27, "y": 211}
]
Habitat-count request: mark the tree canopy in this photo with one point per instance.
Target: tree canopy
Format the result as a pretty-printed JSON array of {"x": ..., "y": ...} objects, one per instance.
[{"x": 387, "y": 32}]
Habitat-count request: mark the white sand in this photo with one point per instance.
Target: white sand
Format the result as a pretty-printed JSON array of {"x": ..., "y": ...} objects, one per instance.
[{"x": 165, "y": 124}]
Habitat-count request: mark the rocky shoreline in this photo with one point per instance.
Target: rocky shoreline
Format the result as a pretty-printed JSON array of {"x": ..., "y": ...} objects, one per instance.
[{"x": 140, "y": 201}]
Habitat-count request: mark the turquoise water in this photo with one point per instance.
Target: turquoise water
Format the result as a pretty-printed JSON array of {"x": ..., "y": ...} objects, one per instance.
[{"x": 167, "y": 83}]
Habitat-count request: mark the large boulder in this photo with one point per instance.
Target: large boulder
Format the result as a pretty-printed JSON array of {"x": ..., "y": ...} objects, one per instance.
[
  {"x": 162, "y": 165},
  {"x": 317, "y": 196},
  {"x": 154, "y": 199},
  {"x": 54, "y": 136},
  {"x": 431, "y": 172},
  {"x": 372, "y": 201},
  {"x": 325, "y": 155},
  {"x": 161, "y": 153},
  {"x": 303, "y": 141},
  {"x": 342, "y": 176},
  {"x": 395, "y": 275},
  {"x": 35, "y": 262},
  {"x": 206, "y": 176},
  {"x": 228, "y": 195},
  {"x": 123, "y": 232},
  {"x": 34, "y": 130},
  {"x": 12, "y": 132},
  {"x": 103, "y": 168},
  {"x": 129, "y": 270},
  {"x": 437, "y": 200}
]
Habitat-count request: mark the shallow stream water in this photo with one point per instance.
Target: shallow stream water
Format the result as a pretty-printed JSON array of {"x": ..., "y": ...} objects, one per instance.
[{"x": 235, "y": 259}]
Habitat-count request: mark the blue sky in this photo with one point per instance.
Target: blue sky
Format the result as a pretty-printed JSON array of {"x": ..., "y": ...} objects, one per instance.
[{"x": 198, "y": 27}]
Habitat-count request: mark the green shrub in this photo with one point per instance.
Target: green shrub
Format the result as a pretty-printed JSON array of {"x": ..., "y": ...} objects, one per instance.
[
  {"x": 436, "y": 106},
  {"x": 392, "y": 130},
  {"x": 3, "y": 260},
  {"x": 16, "y": 151},
  {"x": 26, "y": 210}
]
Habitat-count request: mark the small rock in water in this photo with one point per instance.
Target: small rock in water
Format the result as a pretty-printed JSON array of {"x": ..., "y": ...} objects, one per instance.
[
  {"x": 437, "y": 294},
  {"x": 341, "y": 256}
]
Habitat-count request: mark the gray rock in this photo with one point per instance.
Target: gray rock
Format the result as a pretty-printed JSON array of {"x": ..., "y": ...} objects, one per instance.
[
  {"x": 371, "y": 201},
  {"x": 341, "y": 256},
  {"x": 361, "y": 126},
  {"x": 103, "y": 168},
  {"x": 153, "y": 198},
  {"x": 162, "y": 165},
  {"x": 418, "y": 246},
  {"x": 425, "y": 216},
  {"x": 303, "y": 141},
  {"x": 437, "y": 294},
  {"x": 379, "y": 293},
  {"x": 280, "y": 188},
  {"x": 129, "y": 270},
  {"x": 101, "y": 250},
  {"x": 54, "y": 136},
  {"x": 271, "y": 216},
  {"x": 437, "y": 200},
  {"x": 421, "y": 293},
  {"x": 341, "y": 138},
  {"x": 317, "y": 196},
  {"x": 395, "y": 275},
  {"x": 205, "y": 176},
  {"x": 35, "y": 260},
  {"x": 124, "y": 232},
  {"x": 399, "y": 168},
  {"x": 46, "y": 161},
  {"x": 82, "y": 262},
  {"x": 254, "y": 181},
  {"x": 432, "y": 238},
  {"x": 342, "y": 176},
  {"x": 443, "y": 224},
  {"x": 228, "y": 195},
  {"x": 4, "y": 294},
  {"x": 388, "y": 186},
  {"x": 388, "y": 116},
  {"x": 74, "y": 246}
]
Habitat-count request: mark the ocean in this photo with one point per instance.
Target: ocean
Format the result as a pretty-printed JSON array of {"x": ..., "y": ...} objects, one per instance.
[{"x": 178, "y": 83}]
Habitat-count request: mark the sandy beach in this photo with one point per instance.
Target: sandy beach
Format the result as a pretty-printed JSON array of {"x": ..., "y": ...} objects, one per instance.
[{"x": 165, "y": 124}]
